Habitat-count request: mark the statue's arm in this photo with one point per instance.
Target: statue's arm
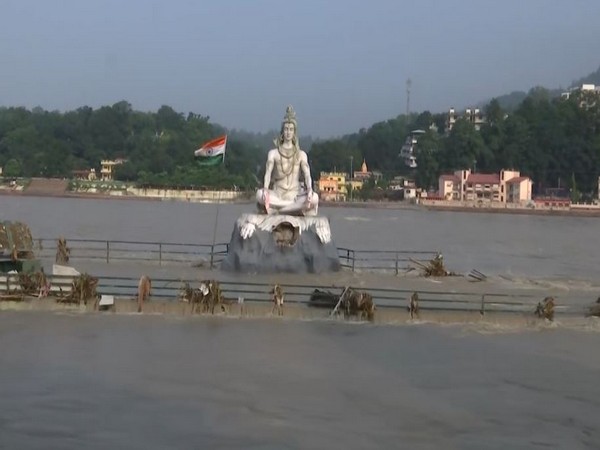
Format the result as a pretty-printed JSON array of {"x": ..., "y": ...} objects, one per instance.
[
  {"x": 268, "y": 170},
  {"x": 306, "y": 171}
]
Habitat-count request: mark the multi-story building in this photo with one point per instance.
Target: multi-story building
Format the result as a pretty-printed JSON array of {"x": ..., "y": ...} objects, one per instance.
[
  {"x": 332, "y": 186},
  {"x": 407, "y": 151},
  {"x": 107, "y": 168},
  {"x": 506, "y": 187},
  {"x": 472, "y": 115}
]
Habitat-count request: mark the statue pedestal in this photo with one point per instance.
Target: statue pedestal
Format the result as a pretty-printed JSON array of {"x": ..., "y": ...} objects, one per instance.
[{"x": 263, "y": 243}]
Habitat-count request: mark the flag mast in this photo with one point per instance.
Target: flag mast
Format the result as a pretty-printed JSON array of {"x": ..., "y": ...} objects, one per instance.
[{"x": 217, "y": 212}]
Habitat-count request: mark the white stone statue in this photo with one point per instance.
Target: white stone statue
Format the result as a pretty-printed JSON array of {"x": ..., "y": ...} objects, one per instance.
[
  {"x": 285, "y": 163},
  {"x": 283, "y": 198}
]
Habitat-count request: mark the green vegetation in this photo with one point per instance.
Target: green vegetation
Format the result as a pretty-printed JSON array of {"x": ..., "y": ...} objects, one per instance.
[
  {"x": 545, "y": 137},
  {"x": 158, "y": 146}
]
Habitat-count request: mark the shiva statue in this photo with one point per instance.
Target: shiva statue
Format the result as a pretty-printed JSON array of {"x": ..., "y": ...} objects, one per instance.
[{"x": 285, "y": 163}]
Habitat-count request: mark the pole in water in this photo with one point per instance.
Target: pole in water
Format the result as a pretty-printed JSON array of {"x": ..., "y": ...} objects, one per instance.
[{"x": 215, "y": 227}]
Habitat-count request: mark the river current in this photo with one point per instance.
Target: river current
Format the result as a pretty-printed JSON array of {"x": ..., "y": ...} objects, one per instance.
[
  {"x": 522, "y": 245},
  {"x": 73, "y": 381}
]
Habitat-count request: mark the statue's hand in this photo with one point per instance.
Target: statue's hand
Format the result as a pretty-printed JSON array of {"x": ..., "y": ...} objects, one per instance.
[
  {"x": 247, "y": 230},
  {"x": 266, "y": 200},
  {"x": 308, "y": 202},
  {"x": 323, "y": 231}
]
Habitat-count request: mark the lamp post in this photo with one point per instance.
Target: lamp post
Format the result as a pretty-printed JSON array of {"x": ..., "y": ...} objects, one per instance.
[{"x": 351, "y": 187}]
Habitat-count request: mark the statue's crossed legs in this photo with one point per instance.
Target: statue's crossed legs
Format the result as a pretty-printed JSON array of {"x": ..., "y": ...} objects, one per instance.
[{"x": 304, "y": 204}]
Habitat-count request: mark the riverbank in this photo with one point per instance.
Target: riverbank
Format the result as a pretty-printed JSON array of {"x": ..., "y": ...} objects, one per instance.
[
  {"x": 215, "y": 197},
  {"x": 579, "y": 212}
]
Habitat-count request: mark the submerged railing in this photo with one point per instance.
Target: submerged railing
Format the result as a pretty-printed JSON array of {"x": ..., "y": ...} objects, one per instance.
[
  {"x": 168, "y": 289},
  {"x": 210, "y": 255}
]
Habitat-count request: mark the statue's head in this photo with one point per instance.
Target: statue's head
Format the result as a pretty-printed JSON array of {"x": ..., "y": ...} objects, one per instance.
[{"x": 289, "y": 128}]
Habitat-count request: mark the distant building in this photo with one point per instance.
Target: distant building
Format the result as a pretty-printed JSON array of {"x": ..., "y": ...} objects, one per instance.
[
  {"x": 107, "y": 168},
  {"x": 365, "y": 174},
  {"x": 407, "y": 151},
  {"x": 410, "y": 189},
  {"x": 506, "y": 187},
  {"x": 85, "y": 174},
  {"x": 332, "y": 186},
  {"x": 588, "y": 95},
  {"x": 472, "y": 115}
]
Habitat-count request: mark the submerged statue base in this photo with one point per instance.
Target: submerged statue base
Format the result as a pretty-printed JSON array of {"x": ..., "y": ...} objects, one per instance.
[{"x": 263, "y": 243}]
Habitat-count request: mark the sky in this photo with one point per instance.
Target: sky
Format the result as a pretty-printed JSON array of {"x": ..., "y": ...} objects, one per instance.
[{"x": 342, "y": 64}]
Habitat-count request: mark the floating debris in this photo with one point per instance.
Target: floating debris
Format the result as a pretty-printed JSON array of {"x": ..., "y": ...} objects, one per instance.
[
  {"x": 477, "y": 275},
  {"x": 277, "y": 298},
  {"x": 83, "y": 289},
  {"x": 545, "y": 309},
  {"x": 355, "y": 303},
  {"x": 594, "y": 310},
  {"x": 208, "y": 296},
  {"x": 323, "y": 299},
  {"x": 144, "y": 291},
  {"x": 434, "y": 268},
  {"x": 413, "y": 305},
  {"x": 34, "y": 283},
  {"x": 62, "y": 251}
]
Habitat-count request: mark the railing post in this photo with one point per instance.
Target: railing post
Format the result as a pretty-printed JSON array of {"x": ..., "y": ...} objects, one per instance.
[
  {"x": 107, "y": 252},
  {"x": 396, "y": 263},
  {"x": 353, "y": 260},
  {"x": 160, "y": 253},
  {"x": 212, "y": 255},
  {"x": 482, "y": 310}
]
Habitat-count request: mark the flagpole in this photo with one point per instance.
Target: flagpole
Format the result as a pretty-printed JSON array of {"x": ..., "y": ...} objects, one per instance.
[
  {"x": 218, "y": 202},
  {"x": 212, "y": 251}
]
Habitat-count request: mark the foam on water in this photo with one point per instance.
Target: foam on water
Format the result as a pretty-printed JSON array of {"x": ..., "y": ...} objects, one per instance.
[{"x": 111, "y": 380}]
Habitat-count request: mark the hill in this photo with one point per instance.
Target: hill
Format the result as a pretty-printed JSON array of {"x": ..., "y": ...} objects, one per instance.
[
  {"x": 509, "y": 102},
  {"x": 592, "y": 78}
]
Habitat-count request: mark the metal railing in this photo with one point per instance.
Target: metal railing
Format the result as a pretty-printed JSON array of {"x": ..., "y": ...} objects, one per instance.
[
  {"x": 168, "y": 289},
  {"x": 161, "y": 253},
  {"x": 211, "y": 255}
]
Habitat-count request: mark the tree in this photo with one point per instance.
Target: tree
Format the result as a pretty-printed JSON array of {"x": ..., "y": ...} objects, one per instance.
[
  {"x": 332, "y": 155},
  {"x": 428, "y": 167},
  {"x": 464, "y": 148},
  {"x": 12, "y": 168},
  {"x": 575, "y": 194}
]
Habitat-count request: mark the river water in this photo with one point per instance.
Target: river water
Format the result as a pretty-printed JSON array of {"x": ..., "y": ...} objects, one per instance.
[
  {"x": 500, "y": 244},
  {"x": 73, "y": 381},
  {"x": 155, "y": 382}
]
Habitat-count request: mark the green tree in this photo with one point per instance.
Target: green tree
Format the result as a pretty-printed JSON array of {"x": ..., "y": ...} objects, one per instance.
[{"x": 12, "y": 168}]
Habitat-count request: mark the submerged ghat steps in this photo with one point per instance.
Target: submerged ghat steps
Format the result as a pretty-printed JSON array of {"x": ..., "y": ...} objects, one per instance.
[{"x": 47, "y": 187}]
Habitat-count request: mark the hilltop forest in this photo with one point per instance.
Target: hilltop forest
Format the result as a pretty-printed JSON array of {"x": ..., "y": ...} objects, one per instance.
[{"x": 552, "y": 140}]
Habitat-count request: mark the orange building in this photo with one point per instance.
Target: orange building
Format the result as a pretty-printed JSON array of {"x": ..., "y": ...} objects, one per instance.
[
  {"x": 506, "y": 187},
  {"x": 332, "y": 186}
]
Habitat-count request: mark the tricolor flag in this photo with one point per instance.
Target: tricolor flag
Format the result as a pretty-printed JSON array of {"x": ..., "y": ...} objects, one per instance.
[{"x": 213, "y": 152}]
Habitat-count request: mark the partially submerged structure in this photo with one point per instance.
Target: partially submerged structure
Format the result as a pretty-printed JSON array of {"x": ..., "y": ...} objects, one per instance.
[{"x": 16, "y": 248}]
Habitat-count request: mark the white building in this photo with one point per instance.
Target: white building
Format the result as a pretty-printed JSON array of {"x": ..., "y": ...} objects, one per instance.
[{"x": 472, "y": 115}]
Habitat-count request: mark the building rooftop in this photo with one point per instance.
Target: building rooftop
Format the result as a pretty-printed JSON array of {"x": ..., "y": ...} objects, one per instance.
[
  {"x": 483, "y": 178},
  {"x": 517, "y": 179}
]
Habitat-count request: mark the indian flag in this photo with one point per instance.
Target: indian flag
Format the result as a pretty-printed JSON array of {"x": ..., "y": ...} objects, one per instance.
[{"x": 213, "y": 152}]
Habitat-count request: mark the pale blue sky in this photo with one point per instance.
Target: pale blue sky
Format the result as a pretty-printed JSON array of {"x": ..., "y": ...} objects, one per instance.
[{"x": 342, "y": 64}]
